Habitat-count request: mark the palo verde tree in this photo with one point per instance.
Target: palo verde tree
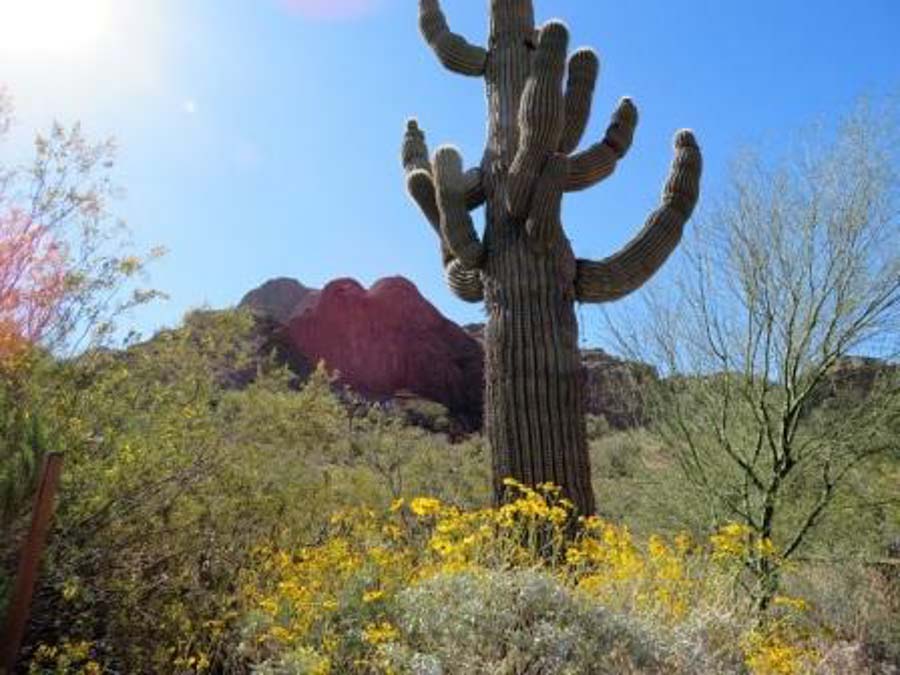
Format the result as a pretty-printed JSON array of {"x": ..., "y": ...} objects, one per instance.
[
  {"x": 773, "y": 413},
  {"x": 66, "y": 267},
  {"x": 523, "y": 267}
]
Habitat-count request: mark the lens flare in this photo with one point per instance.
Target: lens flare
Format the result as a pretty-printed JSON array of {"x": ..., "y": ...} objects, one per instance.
[{"x": 51, "y": 26}]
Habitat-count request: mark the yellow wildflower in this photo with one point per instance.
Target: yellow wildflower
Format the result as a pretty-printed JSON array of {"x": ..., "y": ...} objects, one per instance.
[
  {"x": 379, "y": 633},
  {"x": 796, "y": 604},
  {"x": 372, "y": 596},
  {"x": 425, "y": 506}
]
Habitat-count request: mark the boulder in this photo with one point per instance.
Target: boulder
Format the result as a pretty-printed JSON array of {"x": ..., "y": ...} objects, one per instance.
[{"x": 276, "y": 298}]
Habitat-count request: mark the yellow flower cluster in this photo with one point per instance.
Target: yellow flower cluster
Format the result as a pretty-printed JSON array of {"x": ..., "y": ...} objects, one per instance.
[
  {"x": 611, "y": 567},
  {"x": 380, "y": 633},
  {"x": 326, "y": 601},
  {"x": 66, "y": 657},
  {"x": 779, "y": 649},
  {"x": 737, "y": 540},
  {"x": 333, "y": 602}
]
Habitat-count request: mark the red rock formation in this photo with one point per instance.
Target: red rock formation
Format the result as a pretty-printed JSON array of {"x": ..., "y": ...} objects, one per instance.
[{"x": 390, "y": 339}]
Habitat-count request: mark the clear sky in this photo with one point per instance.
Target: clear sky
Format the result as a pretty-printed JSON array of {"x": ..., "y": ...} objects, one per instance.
[{"x": 260, "y": 138}]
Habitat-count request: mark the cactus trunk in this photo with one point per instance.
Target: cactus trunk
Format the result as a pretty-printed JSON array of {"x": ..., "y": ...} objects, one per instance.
[
  {"x": 534, "y": 402},
  {"x": 523, "y": 268},
  {"x": 534, "y": 415}
]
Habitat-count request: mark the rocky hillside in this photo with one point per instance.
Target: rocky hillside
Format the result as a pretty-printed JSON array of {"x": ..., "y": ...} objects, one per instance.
[
  {"x": 277, "y": 298},
  {"x": 613, "y": 388}
]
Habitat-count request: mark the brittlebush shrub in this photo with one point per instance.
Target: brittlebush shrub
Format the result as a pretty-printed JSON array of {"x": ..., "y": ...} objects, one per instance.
[{"x": 425, "y": 587}]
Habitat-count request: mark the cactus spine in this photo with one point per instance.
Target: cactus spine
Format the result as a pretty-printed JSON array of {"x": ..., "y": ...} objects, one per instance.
[{"x": 524, "y": 269}]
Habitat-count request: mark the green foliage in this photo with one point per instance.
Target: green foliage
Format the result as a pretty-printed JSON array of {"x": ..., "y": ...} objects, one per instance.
[
  {"x": 23, "y": 444},
  {"x": 771, "y": 419},
  {"x": 65, "y": 191},
  {"x": 173, "y": 475}
]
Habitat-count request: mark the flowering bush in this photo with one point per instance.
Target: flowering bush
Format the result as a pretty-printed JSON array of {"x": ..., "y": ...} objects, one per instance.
[
  {"x": 428, "y": 587},
  {"x": 32, "y": 283}
]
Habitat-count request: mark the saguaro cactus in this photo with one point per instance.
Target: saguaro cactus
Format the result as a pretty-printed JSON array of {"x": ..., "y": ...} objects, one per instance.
[{"x": 524, "y": 269}]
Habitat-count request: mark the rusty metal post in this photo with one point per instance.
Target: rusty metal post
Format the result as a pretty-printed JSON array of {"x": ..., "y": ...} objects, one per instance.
[{"x": 29, "y": 562}]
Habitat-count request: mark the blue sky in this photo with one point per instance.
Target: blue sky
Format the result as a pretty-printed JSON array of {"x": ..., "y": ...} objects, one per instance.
[{"x": 260, "y": 140}]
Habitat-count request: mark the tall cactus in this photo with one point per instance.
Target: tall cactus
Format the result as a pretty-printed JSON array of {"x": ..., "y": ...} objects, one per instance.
[{"x": 524, "y": 269}]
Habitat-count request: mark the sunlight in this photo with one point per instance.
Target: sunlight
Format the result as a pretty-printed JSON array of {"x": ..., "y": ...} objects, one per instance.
[{"x": 51, "y": 26}]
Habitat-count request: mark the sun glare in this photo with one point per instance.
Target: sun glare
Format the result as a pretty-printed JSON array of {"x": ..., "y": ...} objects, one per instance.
[{"x": 51, "y": 26}]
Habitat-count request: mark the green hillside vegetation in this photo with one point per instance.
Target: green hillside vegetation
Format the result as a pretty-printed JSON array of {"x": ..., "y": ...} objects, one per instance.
[{"x": 192, "y": 514}]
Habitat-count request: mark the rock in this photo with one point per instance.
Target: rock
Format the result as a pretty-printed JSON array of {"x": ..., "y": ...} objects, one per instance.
[
  {"x": 613, "y": 388},
  {"x": 851, "y": 380},
  {"x": 390, "y": 343},
  {"x": 276, "y": 298},
  {"x": 390, "y": 339}
]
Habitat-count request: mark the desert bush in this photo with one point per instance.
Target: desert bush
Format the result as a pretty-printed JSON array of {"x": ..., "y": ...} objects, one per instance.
[
  {"x": 68, "y": 273},
  {"x": 518, "y": 621},
  {"x": 427, "y": 587}
]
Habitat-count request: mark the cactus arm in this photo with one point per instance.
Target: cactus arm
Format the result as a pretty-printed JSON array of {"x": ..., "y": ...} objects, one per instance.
[
  {"x": 583, "y": 69},
  {"x": 457, "y": 228},
  {"x": 451, "y": 49},
  {"x": 599, "y": 161},
  {"x": 541, "y": 116},
  {"x": 617, "y": 276},
  {"x": 414, "y": 151},
  {"x": 544, "y": 224},
  {"x": 419, "y": 185},
  {"x": 475, "y": 195},
  {"x": 466, "y": 284}
]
